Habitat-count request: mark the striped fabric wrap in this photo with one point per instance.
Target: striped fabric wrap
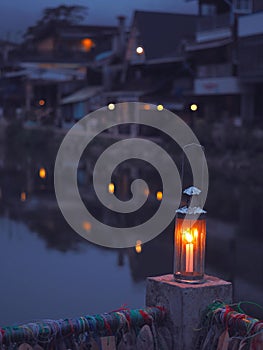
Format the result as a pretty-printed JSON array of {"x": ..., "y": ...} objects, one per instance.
[
  {"x": 227, "y": 327},
  {"x": 124, "y": 326}
]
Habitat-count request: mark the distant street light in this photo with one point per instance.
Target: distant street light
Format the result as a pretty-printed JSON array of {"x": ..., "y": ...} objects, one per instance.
[
  {"x": 139, "y": 50},
  {"x": 194, "y": 107},
  {"x": 111, "y": 106}
]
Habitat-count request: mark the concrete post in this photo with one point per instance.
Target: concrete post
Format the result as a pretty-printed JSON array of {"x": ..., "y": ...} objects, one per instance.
[
  {"x": 247, "y": 104},
  {"x": 185, "y": 304}
]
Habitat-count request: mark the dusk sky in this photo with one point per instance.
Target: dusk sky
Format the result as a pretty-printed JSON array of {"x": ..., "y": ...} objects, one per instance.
[{"x": 16, "y": 16}]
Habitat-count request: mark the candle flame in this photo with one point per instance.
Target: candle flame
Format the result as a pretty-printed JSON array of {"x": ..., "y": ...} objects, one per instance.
[{"x": 188, "y": 237}]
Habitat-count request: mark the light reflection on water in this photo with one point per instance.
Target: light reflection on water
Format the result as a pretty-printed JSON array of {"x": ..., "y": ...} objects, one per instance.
[{"x": 48, "y": 271}]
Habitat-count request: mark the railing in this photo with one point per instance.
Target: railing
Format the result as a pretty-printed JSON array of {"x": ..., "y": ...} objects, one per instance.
[
  {"x": 223, "y": 327},
  {"x": 176, "y": 327},
  {"x": 121, "y": 328},
  {"x": 207, "y": 23}
]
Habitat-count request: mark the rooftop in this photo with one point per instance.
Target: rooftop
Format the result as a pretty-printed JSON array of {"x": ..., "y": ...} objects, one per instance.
[{"x": 161, "y": 33}]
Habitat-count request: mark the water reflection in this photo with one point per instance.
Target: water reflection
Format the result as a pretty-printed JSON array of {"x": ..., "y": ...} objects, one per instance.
[{"x": 51, "y": 272}]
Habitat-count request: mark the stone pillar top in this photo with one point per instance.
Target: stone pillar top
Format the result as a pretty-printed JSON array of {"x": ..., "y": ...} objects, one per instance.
[
  {"x": 210, "y": 281},
  {"x": 185, "y": 304}
]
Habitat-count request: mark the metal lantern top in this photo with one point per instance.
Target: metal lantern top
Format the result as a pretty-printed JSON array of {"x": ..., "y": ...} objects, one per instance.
[
  {"x": 192, "y": 191},
  {"x": 193, "y": 210}
]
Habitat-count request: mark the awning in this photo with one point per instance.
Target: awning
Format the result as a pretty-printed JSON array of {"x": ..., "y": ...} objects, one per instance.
[
  {"x": 103, "y": 56},
  {"x": 47, "y": 74},
  {"x": 82, "y": 95},
  {"x": 208, "y": 45}
]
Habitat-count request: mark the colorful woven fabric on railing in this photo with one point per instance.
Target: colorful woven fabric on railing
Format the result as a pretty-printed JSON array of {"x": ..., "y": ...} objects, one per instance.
[
  {"x": 227, "y": 327},
  {"x": 120, "y": 330}
]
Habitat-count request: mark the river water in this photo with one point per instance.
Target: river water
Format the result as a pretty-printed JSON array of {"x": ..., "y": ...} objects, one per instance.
[{"x": 48, "y": 271}]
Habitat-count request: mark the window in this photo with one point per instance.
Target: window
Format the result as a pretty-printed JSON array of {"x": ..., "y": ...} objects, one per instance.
[
  {"x": 208, "y": 9},
  {"x": 243, "y": 6}
]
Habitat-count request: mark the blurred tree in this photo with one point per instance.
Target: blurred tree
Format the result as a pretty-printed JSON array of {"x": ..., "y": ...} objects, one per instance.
[
  {"x": 65, "y": 14},
  {"x": 60, "y": 15}
]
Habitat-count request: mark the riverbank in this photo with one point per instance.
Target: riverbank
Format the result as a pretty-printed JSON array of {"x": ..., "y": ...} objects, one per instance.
[{"x": 233, "y": 153}]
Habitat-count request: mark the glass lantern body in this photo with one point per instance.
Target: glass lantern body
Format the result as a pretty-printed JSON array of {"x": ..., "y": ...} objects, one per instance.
[{"x": 189, "y": 249}]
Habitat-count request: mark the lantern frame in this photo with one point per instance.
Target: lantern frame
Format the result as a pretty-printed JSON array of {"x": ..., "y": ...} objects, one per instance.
[{"x": 189, "y": 245}]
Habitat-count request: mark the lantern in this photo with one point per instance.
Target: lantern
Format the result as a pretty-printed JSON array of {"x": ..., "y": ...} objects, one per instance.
[{"x": 189, "y": 241}]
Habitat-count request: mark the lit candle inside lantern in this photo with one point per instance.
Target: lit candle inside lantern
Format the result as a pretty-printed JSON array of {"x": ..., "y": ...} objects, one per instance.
[
  {"x": 189, "y": 254},
  {"x": 189, "y": 241}
]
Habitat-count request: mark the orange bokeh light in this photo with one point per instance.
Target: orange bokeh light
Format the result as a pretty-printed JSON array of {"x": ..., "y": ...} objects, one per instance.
[
  {"x": 138, "y": 247},
  {"x": 111, "y": 188},
  {"x": 87, "y": 44},
  {"x": 23, "y": 196},
  {"x": 41, "y": 102},
  {"x": 42, "y": 173},
  {"x": 159, "y": 195}
]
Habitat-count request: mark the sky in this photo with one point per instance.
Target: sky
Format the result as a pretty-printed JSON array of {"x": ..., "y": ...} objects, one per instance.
[{"x": 17, "y": 15}]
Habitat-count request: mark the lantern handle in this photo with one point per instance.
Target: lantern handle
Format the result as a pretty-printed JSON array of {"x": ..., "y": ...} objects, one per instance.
[{"x": 183, "y": 167}]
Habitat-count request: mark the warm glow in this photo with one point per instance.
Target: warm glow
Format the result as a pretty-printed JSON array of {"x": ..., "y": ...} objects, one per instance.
[
  {"x": 111, "y": 188},
  {"x": 87, "y": 44},
  {"x": 86, "y": 225},
  {"x": 160, "y": 108},
  {"x": 147, "y": 107},
  {"x": 139, "y": 50},
  {"x": 195, "y": 233},
  {"x": 138, "y": 247},
  {"x": 188, "y": 237},
  {"x": 42, "y": 173},
  {"x": 189, "y": 248},
  {"x": 111, "y": 106},
  {"x": 23, "y": 196},
  {"x": 159, "y": 195},
  {"x": 41, "y": 102},
  {"x": 193, "y": 107}
]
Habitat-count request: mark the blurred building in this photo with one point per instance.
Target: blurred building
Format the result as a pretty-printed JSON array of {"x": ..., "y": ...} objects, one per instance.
[
  {"x": 64, "y": 43},
  {"x": 56, "y": 60},
  {"x": 91, "y": 95},
  {"x": 154, "y": 68},
  {"x": 208, "y": 65},
  {"x": 9, "y": 93},
  {"x": 216, "y": 55},
  {"x": 250, "y": 66}
]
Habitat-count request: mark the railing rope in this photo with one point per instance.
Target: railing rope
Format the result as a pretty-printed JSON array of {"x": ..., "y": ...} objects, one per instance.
[
  {"x": 174, "y": 323},
  {"x": 223, "y": 325},
  {"x": 48, "y": 332}
]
